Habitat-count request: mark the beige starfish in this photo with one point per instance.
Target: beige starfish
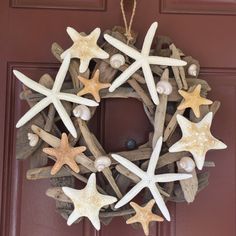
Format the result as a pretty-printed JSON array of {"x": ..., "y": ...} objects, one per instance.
[
  {"x": 85, "y": 47},
  {"x": 193, "y": 100},
  {"x": 87, "y": 202},
  {"x": 92, "y": 86},
  {"x": 144, "y": 215},
  {"x": 65, "y": 155},
  {"x": 197, "y": 139}
]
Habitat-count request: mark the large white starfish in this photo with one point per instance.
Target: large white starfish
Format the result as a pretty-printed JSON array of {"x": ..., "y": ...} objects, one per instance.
[
  {"x": 87, "y": 202},
  {"x": 84, "y": 47},
  {"x": 52, "y": 96},
  {"x": 142, "y": 60},
  {"x": 148, "y": 179},
  {"x": 197, "y": 139}
]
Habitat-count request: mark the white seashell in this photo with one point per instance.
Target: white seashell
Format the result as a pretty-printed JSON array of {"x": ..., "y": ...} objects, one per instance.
[
  {"x": 102, "y": 162},
  {"x": 117, "y": 60},
  {"x": 187, "y": 164},
  {"x": 33, "y": 139},
  {"x": 83, "y": 112},
  {"x": 192, "y": 70},
  {"x": 164, "y": 87}
]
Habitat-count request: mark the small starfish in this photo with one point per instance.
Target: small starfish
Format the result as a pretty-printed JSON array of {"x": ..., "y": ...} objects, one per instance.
[
  {"x": 148, "y": 179},
  {"x": 52, "y": 96},
  {"x": 142, "y": 60},
  {"x": 197, "y": 139},
  {"x": 144, "y": 215},
  {"x": 92, "y": 86},
  {"x": 65, "y": 155},
  {"x": 87, "y": 202},
  {"x": 85, "y": 47},
  {"x": 193, "y": 100}
]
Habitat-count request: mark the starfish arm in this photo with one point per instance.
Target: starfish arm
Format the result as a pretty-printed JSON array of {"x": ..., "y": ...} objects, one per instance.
[
  {"x": 183, "y": 105},
  {"x": 131, "y": 194},
  {"x": 154, "y": 157},
  {"x": 100, "y": 53},
  {"x": 96, "y": 96},
  {"x": 178, "y": 147},
  {"x": 199, "y": 160},
  {"x": 56, "y": 167},
  {"x": 31, "y": 84},
  {"x": 75, "y": 215},
  {"x": 159, "y": 201},
  {"x": 91, "y": 185},
  {"x": 61, "y": 73},
  {"x": 76, "y": 99},
  {"x": 33, "y": 111},
  {"x": 132, "y": 220},
  {"x": 145, "y": 226},
  {"x": 205, "y": 101},
  {"x": 84, "y": 64},
  {"x": 196, "y": 111},
  {"x": 129, "y": 165},
  {"x": 150, "y": 82},
  {"x": 218, "y": 144},
  {"x": 65, "y": 117},
  {"x": 164, "y": 178},
  {"x": 78, "y": 150},
  {"x": 74, "y": 35},
  {"x": 107, "y": 200},
  {"x": 123, "y": 47},
  {"x": 73, "y": 165},
  {"x": 70, "y": 192},
  {"x": 95, "y": 34},
  {"x": 149, "y": 39},
  {"x": 184, "y": 123},
  {"x": 207, "y": 120},
  {"x": 94, "y": 219},
  {"x": 165, "y": 61},
  {"x": 125, "y": 75},
  {"x": 50, "y": 151},
  {"x": 64, "y": 141}
]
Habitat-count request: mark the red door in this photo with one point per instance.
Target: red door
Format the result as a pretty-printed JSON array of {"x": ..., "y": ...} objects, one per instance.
[{"x": 205, "y": 30}]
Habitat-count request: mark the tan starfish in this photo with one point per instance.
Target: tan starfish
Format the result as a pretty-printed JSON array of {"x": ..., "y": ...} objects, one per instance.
[
  {"x": 92, "y": 86},
  {"x": 84, "y": 47},
  {"x": 144, "y": 215},
  {"x": 65, "y": 155},
  {"x": 193, "y": 100}
]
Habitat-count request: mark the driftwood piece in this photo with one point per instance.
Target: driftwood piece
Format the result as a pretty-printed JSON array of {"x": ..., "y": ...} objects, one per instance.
[
  {"x": 143, "y": 95},
  {"x": 173, "y": 122},
  {"x": 89, "y": 139},
  {"x": 189, "y": 186},
  {"x": 179, "y": 72},
  {"x": 159, "y": 120}
]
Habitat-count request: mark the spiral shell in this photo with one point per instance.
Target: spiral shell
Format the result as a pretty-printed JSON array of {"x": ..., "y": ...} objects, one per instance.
[
  {"x": 164, "y": 87},
  {"x": 102, "y": 162},
  {"x": 117, "y": 60},
  {"x": 187, "y": 164},
  {"x": 33, "y": 139},
  {"x": 192, "y": 70},
  {"x": 83, "y": 112}
]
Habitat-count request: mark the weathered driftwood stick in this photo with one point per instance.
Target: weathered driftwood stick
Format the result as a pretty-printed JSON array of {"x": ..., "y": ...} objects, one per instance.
[
  {"x": 189, "y": 186},
  {"x": 159, "y": 120},
  {"x": 173, "y": 122},
  {"x": 144, "y": 97},
  {"x": 120, "y": 93},
  {"x": 179, "y": 72},
  {"x": 89, "y": 139}
]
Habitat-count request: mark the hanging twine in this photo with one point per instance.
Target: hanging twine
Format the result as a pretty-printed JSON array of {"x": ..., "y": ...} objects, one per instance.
[{"x": 128, "y": 28}]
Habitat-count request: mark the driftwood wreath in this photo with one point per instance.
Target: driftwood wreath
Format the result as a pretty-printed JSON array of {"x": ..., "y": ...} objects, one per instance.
[{"x": 167, "y": 83}]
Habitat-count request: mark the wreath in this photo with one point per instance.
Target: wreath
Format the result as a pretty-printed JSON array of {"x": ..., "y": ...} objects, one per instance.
[{"x": 164, "y": 169}]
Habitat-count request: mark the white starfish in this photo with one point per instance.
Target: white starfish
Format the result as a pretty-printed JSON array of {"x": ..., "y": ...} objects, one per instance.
[
  {"x": 84, "y": 47},
  {"x": 52, "y": 96},
  {"x": 142, "y": 60},
  {"x": 148, "y": 179},
  {"x": 197, "y": 139},
  {"x": 87, "y": 202}
]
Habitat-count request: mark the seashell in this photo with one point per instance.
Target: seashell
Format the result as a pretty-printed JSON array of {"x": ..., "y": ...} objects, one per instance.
[
  {"x": 82, "y": 111},
  {"x": 187, "y": 164},
  {"x": 164, "y": 87},
  {"x": 33, "y": 139},
  {"x": 117, "y": 60},
  {"x": 192, "y": 70},
  {"x": 102, "y": 162}
]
